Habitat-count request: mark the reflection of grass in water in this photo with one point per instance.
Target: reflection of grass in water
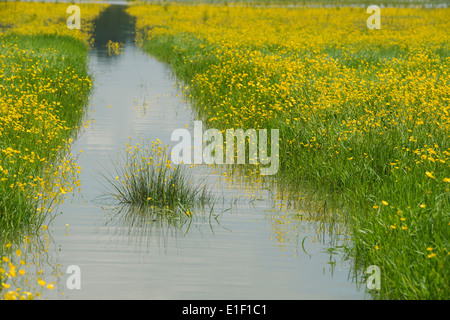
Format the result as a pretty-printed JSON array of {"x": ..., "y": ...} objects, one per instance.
[
  {"x": 144, "y": 176},
  {"x": 299, "y": 216},
  {"x": 284, "y": 193},
  {"x": 293, "y": 208},
  {"x": 114, "y": 47},
  {"x": 27, "y": 269},
  {"x": 144, "y": 223}
]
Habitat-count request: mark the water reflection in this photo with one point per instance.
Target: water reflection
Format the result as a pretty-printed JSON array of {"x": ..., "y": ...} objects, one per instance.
[
  {"x": 28, "y": 267},
  {"x": 143, "y": 227},
  {"x": 113, "y": 26},
  {"x": 287, "y": 204},
  {"x": 139, "y": 227}
]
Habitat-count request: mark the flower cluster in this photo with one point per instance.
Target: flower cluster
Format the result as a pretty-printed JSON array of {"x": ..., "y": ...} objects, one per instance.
[{"x": 43, "y": 91}]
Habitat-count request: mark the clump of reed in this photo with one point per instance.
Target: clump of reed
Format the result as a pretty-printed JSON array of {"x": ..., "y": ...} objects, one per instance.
[{"x": 144, "y": 176}]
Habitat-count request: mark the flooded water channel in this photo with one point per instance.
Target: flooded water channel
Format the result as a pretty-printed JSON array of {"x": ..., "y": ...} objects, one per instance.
[{"x": 248, "y": 250}]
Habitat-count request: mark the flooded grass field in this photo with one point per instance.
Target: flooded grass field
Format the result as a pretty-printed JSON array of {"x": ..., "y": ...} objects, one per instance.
[
  {"x": 242, "y": 254},
  {"x": 119, "y": 229}
]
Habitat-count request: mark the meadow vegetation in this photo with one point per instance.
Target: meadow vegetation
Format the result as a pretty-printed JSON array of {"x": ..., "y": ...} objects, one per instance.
[
  {"x": 44, "y": 87},
  {"x": 362, "y": 113}
]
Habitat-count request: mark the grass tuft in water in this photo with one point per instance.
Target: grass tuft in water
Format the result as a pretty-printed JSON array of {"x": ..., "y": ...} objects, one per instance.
[{"x": 144, "y": 176}]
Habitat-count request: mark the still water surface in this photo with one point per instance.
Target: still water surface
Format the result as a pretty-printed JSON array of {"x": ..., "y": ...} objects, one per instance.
[{"x": 248, "y": 252}]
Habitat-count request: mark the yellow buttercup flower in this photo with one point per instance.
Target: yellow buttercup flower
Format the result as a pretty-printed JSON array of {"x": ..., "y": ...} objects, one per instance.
[{"x": 429, "y": 174}]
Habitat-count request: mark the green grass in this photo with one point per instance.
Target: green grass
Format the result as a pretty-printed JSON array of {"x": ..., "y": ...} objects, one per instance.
[{"x": 44, "y": 86}]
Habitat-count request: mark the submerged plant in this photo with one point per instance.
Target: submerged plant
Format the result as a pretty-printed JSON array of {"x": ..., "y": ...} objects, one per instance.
[{"x": 145, "y": 176}]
